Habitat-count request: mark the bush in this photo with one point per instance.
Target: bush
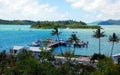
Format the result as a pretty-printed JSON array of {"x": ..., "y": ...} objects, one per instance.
[{"x": 97, "y": 56}]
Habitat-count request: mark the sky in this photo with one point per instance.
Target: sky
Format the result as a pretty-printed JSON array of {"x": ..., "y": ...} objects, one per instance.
[{"x": 54, "y": 10}]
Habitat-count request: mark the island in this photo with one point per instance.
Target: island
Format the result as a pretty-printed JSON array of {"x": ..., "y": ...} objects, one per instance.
[{"x": 63, "y": 24}]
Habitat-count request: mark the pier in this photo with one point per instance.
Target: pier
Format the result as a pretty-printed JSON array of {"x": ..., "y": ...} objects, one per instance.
[
  {"x": 52, "y": 44},
  {"x": 56, "y": 43}
]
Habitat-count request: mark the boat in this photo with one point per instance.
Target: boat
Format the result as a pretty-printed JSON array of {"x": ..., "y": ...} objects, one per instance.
[
  {"x": 67, "y": 28},
  {"x": 35, "y": 44}
]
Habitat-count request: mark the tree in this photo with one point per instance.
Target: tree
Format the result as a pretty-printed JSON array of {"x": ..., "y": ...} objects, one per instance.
[
  {"x": 46, "y": 43},
  {"x": 57, "y": 33},
  {"x": 97, "y": 57},
  {"x": 113, "y": 38},
  {"x": 46, "y": 55},
  {"x": 107, "y": 67},
  {"x": 68, "y": 55},
  {"x": 26, "y": 63},
  {"x": 98, "y": 34},
  {"x": 2, "y": 61},
  {"x": 74, "y": 39}
]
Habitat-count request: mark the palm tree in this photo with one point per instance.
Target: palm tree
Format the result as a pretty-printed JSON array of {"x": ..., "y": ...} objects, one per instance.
[
  {"x": 113, "y": 38},
  {"x": 57, "y": 33},
  {"x": 74, "y": 39},
  {"x": 98, "y": 34}
]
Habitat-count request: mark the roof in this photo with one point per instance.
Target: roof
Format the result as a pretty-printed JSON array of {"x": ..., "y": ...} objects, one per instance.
[
  {"x": 35, "y": 49},
  {"x": 17, "y": 47},
  {"x": 116, "y": 55},
  {"x": 47, "y": 48}
]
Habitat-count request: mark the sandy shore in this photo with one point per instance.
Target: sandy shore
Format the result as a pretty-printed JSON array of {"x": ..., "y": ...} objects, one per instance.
[{"x": 81, "y": 58}]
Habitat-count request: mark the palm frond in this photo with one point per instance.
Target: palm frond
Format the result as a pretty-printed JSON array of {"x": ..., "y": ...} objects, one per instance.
[
  {"x": 114, "y": 38},
  {"x": 98, "y": 34},
  {"x": 74, "y": 38},
  {"x": 55, "y": 32}
]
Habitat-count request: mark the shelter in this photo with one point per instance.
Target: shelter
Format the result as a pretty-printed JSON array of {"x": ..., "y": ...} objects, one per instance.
[
  {"x": 16, "y": 49},
  {"x": 35, "y": 50},
  {"x": 115, "y": 57}
]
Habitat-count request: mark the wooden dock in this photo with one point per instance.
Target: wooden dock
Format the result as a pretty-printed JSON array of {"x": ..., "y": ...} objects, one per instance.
[
  {"x": 53, "y": 44},
  {"x": 65, "y": 43}
]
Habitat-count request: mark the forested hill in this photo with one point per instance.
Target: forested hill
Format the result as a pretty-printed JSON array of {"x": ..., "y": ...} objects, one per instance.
[
  {"x": 17, "y": 22},
  {"x": 62, "y": 24},
  {"x": 109, "y": 22}
]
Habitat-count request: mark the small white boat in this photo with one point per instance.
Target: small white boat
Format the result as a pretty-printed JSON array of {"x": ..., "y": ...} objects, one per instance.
[
  {"x": 67, "y": 28},
  {"x": 36, "y": 43}
]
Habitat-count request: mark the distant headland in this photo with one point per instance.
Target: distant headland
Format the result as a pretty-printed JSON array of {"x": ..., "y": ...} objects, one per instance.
[
  {"x": 107, "y": 22},
  {"x": 17, "y": 22}
]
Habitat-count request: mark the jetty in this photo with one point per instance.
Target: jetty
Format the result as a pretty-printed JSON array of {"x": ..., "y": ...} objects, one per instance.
[
  {"x": 56, "y": 43},
  {"x": 53, "y": 44},
  {"x": 35, "y": 46}
]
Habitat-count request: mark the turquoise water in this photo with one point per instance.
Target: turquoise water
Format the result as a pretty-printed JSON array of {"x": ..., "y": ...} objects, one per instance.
[{"x": 23, "y": 35}]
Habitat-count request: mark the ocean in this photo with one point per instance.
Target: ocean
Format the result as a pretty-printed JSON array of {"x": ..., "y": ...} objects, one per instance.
[{"x": 23, "y": 35}]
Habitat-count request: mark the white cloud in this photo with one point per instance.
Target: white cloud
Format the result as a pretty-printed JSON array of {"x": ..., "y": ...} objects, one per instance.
[
  {"x": 106, "y": 9},
  {"x": 79, "y": 3},
  {"x": 28, "y": 9}
]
